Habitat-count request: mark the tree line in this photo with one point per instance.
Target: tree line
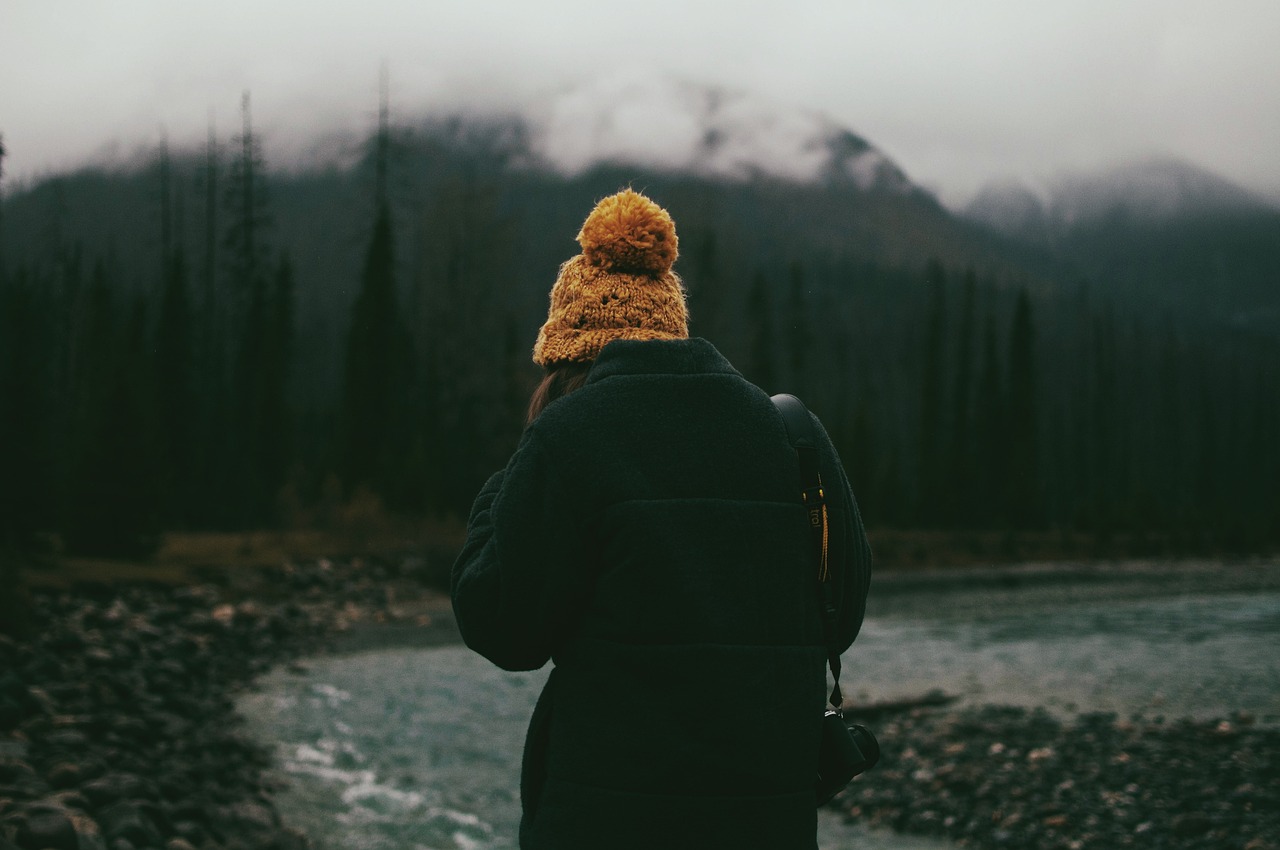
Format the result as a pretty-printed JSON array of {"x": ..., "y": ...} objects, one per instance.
[{"x": 212, "y": 385}]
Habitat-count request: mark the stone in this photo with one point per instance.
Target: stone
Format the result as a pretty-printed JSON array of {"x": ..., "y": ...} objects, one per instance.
[
  {"x": 69, "y": 798},
  {"x": 111, "y": 787},
  {"x": 88, "y": 834},
  {"x": 292, "y": 839},
  {"x": 15, "y": 771},
  {"x": 251, "y": 815},
  {"x": 126, "y": 820},
  {"x": 189, "y": 830},
  {"x": 11, "y": 712},
  {"x": 68, "y": 740},
  {"x": 65, "y": 774},
  {"x": 1190, "y": 824},
  {"x": 48, "y": 828}
]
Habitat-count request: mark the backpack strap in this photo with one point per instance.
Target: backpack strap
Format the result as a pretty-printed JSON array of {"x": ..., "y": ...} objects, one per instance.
[{"x": 804, "y": 439}]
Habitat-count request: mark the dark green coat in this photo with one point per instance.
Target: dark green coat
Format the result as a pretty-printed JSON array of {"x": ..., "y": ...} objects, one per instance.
[{"x": 647, "y": 537}]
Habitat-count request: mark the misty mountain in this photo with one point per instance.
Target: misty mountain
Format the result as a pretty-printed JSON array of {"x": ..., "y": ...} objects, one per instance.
[
  {"x": 232, "y": 308},
  {"x": 776, "y": 185},
  {"x": 1149, "y": 192},
  {"x": 1159, "y": 234},
  {"x": 666, "y": 124},
  {"x": 789, "y": 185}
]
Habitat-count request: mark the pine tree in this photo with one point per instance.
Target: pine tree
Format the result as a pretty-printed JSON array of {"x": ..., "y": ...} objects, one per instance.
[
  {"x": 245, "y": 239},
  {"x": 932, "y": 473},
  {"x": 25, "y": 410},
  {"x": 763, "y": 353},
  {"x": 961, "y": 455},
  {"x": 799, "y": 334},
  {"x": 114, "y": 504},
  {"x": 174, "y": 368},
  {"x": 3, "y": 265},
  {"x": 263, "y": 375},
  {"x": 1024, "y": 496},
  {"x": 252, "y": 383},
  {"x": 211, "y": 426},
  {"x": 276, "y": 414},
  {"x": 1104, "y": 463},
  {"x": 990, "y": 416},
  {"x": 467, "y": 254},
  {"x": 371, "y": 412},
  {"x": 246, "y": 488},
  {"x": 705, "y": 283}
]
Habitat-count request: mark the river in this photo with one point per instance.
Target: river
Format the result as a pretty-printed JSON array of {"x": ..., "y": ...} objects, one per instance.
[{"x": 420, "y": 747}]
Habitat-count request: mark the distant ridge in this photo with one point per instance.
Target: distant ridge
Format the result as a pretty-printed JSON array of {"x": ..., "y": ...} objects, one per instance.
[
  {"x": 1158, "y": 232},
  {"x": 667, "y": 124},
  {"x": 1152, "y": 190}
]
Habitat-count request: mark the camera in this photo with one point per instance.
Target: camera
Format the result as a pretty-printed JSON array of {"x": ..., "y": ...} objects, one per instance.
[{"x": 845, "y": 752}]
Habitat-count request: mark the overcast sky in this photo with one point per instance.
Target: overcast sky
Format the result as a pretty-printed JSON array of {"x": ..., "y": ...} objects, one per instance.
[{"x": 957, "y": 93}]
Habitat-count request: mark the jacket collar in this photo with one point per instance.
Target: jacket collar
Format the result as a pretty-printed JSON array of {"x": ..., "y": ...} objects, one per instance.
[{"x": 658, "y": 357}]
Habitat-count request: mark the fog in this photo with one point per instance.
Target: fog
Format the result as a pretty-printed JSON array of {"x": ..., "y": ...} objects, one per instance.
[{"x": 955, "y": 96}]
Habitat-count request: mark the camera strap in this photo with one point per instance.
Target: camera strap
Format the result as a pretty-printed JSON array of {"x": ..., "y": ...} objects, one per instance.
[{"x": 803, "y": 438}]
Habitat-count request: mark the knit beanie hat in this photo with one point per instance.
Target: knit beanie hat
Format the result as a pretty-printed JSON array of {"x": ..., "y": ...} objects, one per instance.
[{"x": 620, "y": 287}]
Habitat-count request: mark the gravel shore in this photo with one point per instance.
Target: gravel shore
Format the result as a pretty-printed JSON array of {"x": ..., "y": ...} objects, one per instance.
[
  {"x": 118, "y": 728},
  {"x": 994, "y": 776}
]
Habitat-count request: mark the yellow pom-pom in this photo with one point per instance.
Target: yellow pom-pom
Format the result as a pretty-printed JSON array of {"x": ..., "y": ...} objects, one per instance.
[{"x": 627, "y": 232}]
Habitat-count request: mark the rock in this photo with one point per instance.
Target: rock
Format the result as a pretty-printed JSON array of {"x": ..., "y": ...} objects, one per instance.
[
  {"x": 11, "y": 712},
  {"x": 40, "y": 698},
  {"x": 125, "y": 819},
  {"x": 16, "y": 771},
  {"x": 88, "y": 834},
  {"x": 110, "y": 788},
  {"x": 291, "y": 839},
  {"x": 1190, "y": 824},
  {"x": 92, "y": 842},
  {"x": 251, "y": 816},
  {"x": 191, "y": 831},
  {"x": 11, "y": 686},
  {"x": 65, "y": 774},
  {"x": 48, "y": 827},
  {"x": 119, "y": 719},
  {"x": 69, "y": 799}
]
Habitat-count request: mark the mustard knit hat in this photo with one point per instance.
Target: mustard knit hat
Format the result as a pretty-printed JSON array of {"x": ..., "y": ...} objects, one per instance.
[{"x": 620, "y": 287}]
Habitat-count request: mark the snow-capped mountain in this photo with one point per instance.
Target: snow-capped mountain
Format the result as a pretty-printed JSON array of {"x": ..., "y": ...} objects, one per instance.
[
  {"x": 1155, "y": 189},
  {"x": 1147, "y": 191},
  {"x": 666, "y": 124},
  {"x": 1161, "y": 233},
  {"x": 1011, "y": 208}
]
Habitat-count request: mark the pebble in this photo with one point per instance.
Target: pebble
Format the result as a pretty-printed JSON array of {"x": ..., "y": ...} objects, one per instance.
[
  {"x": 117, "y": 720},
  {"x": 994, "y": 776}
]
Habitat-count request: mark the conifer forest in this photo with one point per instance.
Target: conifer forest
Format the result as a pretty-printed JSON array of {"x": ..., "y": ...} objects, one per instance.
[{"x": 205, "y": 341}]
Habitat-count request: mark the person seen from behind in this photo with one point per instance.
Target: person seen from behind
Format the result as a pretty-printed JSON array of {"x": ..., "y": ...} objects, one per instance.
[{"x": 646, "y": 538}]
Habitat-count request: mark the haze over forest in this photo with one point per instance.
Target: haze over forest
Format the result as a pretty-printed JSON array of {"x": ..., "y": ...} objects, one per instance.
[
  {"x": 959, "y": 95},
  {"x": 204, "y": 341}
]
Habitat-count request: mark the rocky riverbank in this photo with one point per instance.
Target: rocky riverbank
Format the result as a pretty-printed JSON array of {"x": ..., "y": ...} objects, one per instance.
[
  {"x": 118, "y": 726},
  {"x": 118, "y": 729},
  {"x": 1011, "y": 777}
]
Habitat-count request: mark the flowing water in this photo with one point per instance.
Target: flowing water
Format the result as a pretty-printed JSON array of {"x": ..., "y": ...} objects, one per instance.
[{"x": 420, "y": 748}]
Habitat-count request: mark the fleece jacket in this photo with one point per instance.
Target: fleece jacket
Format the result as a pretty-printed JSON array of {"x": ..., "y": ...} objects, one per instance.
[{"x": 647, "y": 538}]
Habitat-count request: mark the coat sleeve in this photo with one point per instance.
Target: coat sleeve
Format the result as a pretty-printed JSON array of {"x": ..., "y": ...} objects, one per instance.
[
  {"x": 853, "y": 556},
  {"x": 520, "y": 580}
]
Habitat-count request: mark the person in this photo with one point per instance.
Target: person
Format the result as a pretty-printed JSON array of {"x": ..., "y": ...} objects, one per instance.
[{"x": 647, "y": 537}]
